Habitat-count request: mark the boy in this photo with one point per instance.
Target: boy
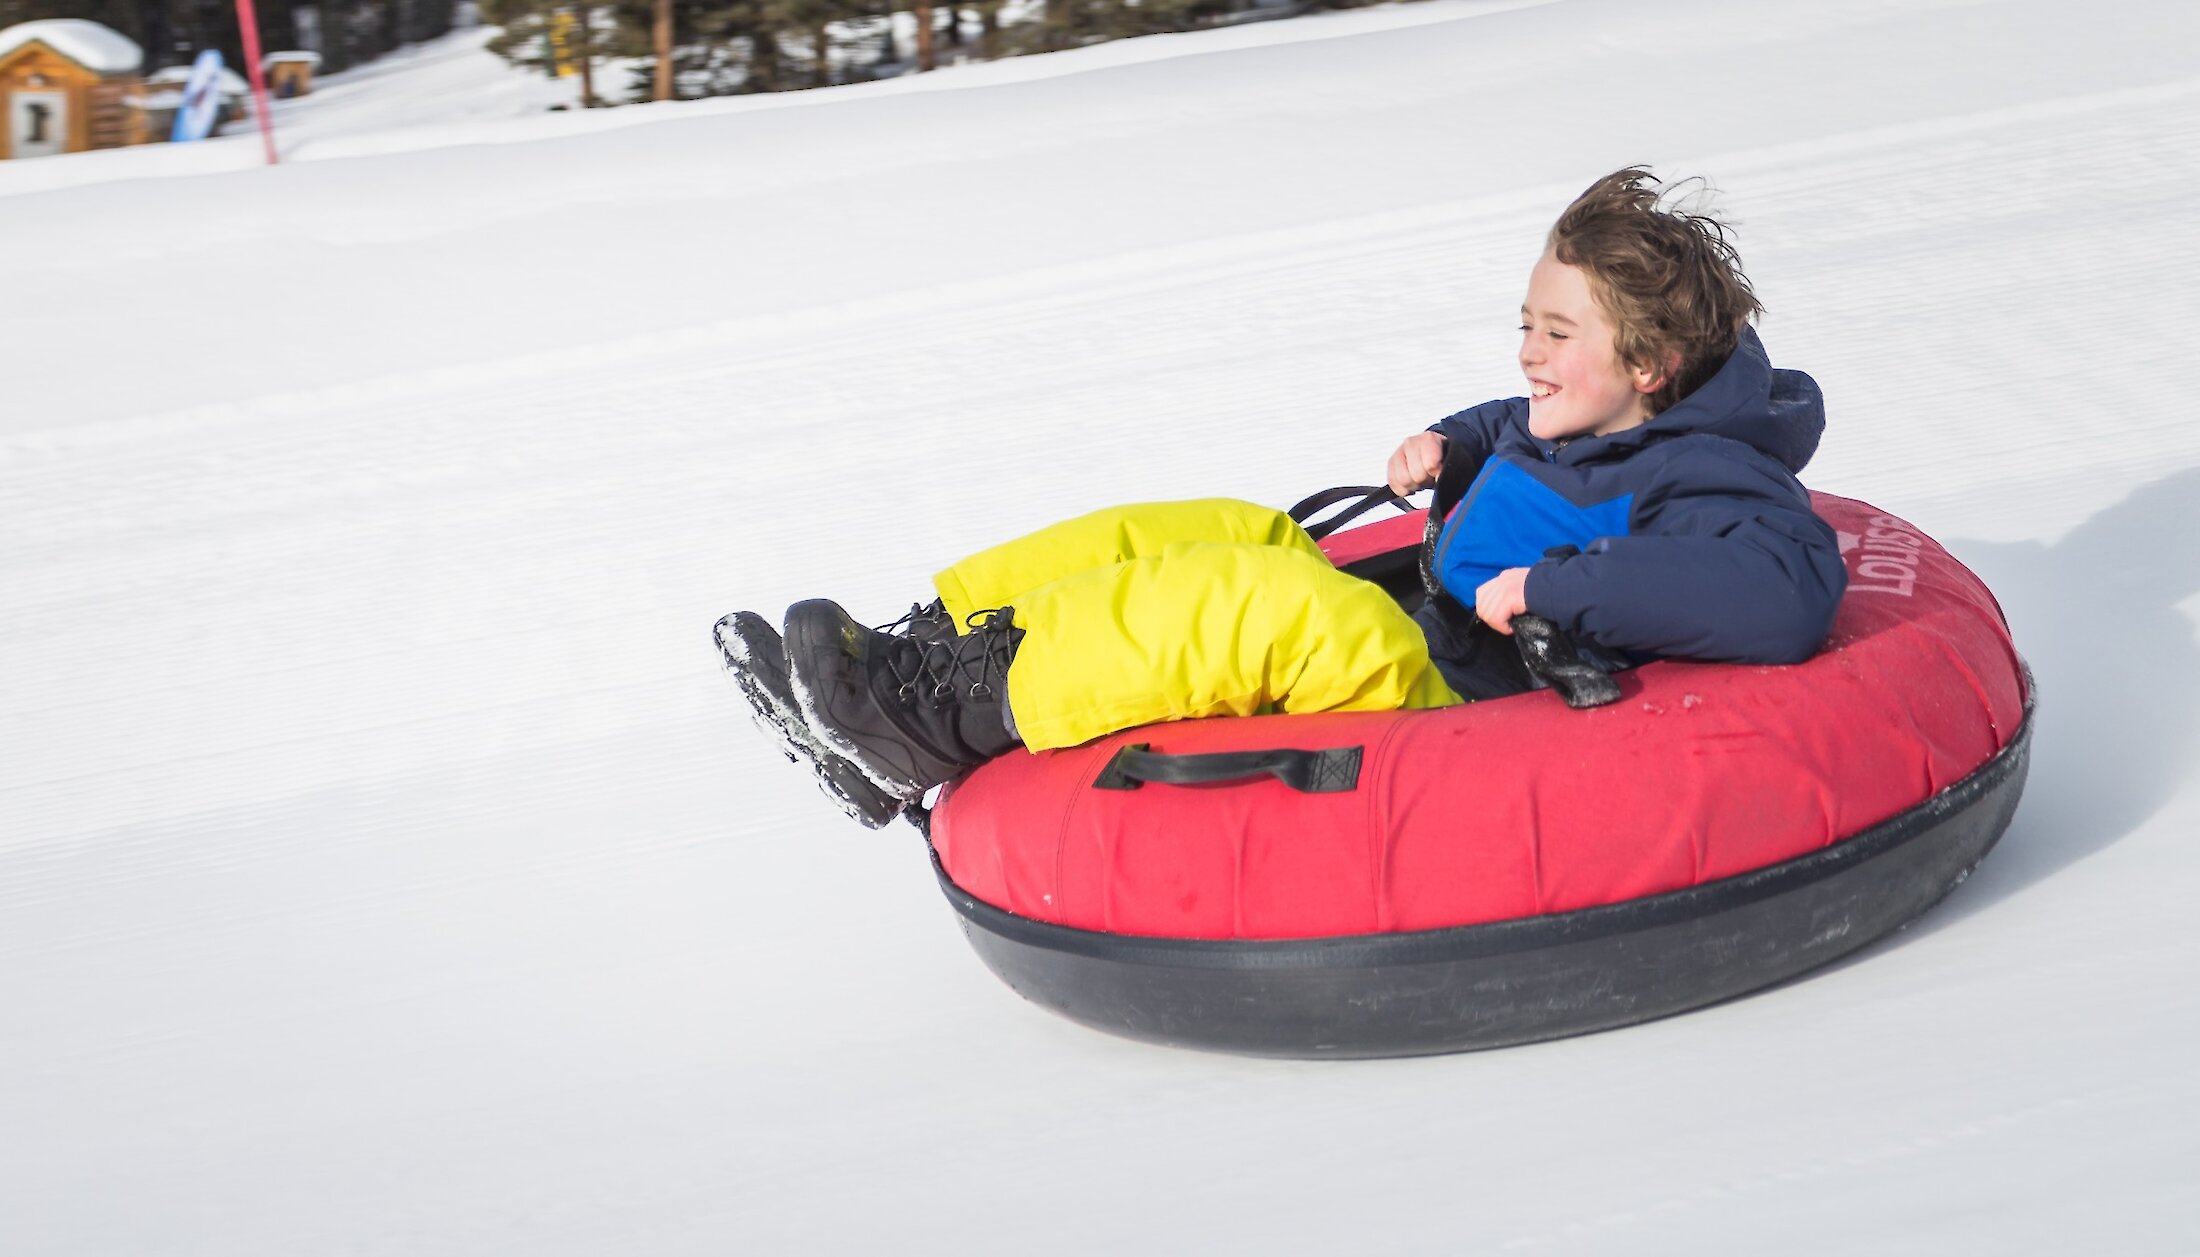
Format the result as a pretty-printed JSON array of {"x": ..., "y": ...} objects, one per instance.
[{"x": 1643, "y": 496}]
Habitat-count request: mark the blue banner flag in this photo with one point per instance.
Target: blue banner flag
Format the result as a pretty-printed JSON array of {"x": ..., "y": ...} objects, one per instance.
[{"x": 202, "y": 99}]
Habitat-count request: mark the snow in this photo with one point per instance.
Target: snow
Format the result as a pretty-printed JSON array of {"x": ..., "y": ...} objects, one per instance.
[
  {"x": 101, "y": 49},
  {"x": 384, "y": 866}
]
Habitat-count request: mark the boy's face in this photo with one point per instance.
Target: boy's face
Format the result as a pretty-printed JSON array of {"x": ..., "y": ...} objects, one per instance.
[{"x": 1577, "y": 384}]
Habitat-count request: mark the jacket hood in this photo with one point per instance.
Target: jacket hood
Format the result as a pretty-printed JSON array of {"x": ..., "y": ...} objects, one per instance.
[{"x": 1780, "y": 413}]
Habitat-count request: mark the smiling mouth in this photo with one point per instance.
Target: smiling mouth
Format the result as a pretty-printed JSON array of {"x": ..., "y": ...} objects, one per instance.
[{"x": 1538, "y": 390}]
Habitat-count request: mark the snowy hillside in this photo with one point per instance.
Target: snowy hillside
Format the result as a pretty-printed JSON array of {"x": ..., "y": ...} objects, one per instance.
[{"x": 385, "y": 867}]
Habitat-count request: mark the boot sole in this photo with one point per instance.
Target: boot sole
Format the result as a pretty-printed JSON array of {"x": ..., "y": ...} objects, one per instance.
[
  {"x": 740, "y": 637},
  {"x": 807, "y": 634}
]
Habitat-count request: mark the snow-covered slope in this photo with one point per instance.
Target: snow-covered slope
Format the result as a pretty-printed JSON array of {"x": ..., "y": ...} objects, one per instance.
[{"x": 385, "y": 868}]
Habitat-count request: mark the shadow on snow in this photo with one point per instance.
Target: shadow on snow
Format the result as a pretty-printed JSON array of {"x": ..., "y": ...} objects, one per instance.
[{"x": 2118, "y": 674}]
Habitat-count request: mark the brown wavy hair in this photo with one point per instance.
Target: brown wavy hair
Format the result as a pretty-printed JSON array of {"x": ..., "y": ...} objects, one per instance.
[{"x": 1670, "y": 279}]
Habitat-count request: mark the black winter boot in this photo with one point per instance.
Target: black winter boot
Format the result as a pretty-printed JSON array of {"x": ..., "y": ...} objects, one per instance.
[
  {"x": 757, "y": 661},
  {"x": 913, "y": 713}
]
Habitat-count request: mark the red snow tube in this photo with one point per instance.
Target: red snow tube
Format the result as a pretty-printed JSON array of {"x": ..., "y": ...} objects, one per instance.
[{"x": 1510, "y": 870}]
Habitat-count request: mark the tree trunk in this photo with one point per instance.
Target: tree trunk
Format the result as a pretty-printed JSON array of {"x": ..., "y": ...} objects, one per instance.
[
  {"x": 763, "y": 62},
  {"x": 588, "y": 61},
  {"x": 822, "y": 76},
  {"x": 989, "y": 29},
  {"x": 661, "y": 38},
  {"x": 954, "y": 26},
  {"x": 153, "y": 32},
  {"x": 924, "y": 36}
]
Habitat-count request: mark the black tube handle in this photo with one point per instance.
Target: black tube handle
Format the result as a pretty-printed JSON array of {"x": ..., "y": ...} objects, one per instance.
[
  {"x": 1551, "y": 658},
  {"x": 1364, "y": 498},
  {"x": 1333, "y": 771}
]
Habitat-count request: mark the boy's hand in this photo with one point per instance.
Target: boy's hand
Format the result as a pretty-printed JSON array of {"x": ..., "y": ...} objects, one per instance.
[
  {"x": 1417, "y": 463},
  {"x": 1502, "y": 597}
]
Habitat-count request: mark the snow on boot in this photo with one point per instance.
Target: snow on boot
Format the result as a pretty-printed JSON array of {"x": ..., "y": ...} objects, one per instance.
[
  {"x": 914, "y": 713},
  {"x": 757, "y": 661}
]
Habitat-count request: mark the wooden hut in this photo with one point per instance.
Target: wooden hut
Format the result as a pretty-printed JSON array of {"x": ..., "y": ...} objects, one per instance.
[
  {"x": 65, "y": 87},
  {"x": 290, "y": 73}
]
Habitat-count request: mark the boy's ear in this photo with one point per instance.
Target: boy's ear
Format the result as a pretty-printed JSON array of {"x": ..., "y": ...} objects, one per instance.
[{"x": 1650, "y": 377}]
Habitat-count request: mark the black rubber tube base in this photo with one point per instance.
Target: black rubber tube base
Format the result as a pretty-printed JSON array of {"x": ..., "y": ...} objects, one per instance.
[{"x": 1510, "y": 982}]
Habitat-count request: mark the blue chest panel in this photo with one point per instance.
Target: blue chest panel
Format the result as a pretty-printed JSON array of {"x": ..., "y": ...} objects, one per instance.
[{"x": 1509, "y": 517}]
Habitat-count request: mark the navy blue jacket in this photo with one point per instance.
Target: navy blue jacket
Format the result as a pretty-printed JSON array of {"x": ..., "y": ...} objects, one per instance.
[{"x": 1696, "y": 540}]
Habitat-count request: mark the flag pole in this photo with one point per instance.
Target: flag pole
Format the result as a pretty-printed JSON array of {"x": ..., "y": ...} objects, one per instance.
[{"x": 248, "y": 22}]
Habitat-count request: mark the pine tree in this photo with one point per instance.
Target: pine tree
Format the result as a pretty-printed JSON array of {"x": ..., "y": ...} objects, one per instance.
[{"x": 722, "y": 47}]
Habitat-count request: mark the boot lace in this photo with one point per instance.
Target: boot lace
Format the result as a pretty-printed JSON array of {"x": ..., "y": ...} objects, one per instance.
[
  {"x": 921, "y": 620},
  {"x": 972, "y": 665}
]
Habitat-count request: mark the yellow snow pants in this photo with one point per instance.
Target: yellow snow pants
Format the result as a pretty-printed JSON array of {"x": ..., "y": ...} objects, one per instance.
[{"x": 1175, "y": 610}]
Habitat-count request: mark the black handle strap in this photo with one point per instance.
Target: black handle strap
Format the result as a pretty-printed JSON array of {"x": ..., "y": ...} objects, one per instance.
[
  {"x": 1333, "y": 771},
  {"x": 1364, "y": 497},
  {"x": 1552, "y": 659}
]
